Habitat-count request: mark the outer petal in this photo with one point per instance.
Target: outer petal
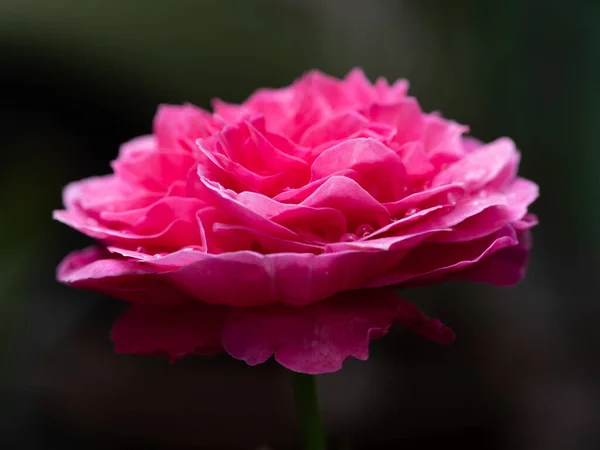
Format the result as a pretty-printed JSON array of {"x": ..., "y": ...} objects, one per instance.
[
  {"x": 311, "y": 339},
  {"x": 433, "y": 262},
  {"x": 290, "y": 278},
  {"x": 96, "y": 194},
  {"x": 97, "y": 270},
  {"x": 504, "y": 268},
  {"x": 318, "y": 338},
  {"x": 248, "y": 278},
  {"x": 491, "y": 163},
  {"x": 175, "y": 331}
]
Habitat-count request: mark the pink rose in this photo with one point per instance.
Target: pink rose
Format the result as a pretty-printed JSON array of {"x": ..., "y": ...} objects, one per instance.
[{"x": 279, "y": 226}]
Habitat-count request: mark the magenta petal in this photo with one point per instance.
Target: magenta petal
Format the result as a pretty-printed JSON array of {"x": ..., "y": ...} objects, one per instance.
[
  {"x": 95, "y": 194},
  {"x": 443, "y": 140},
  {"x": 350, "y": 198},
  {"x": 318, "y": 338},
  {"x": 381, "y": 171},
  {"x": 226, "y": 201},
  {"x": 178, "y": 127},
  {"x": 482, "y": 166},
  {"x": 405, "y": 115},
  {"x": 432, "y": 262},
  {"x": 505, "y": 267},
  {"x": 173, "y": 331},
  {"x": 334, "y": 129},
  {"x": 97, "y": 270},
  {"x": 251, "y": 279},
  {"x": 155, "y": 171}
]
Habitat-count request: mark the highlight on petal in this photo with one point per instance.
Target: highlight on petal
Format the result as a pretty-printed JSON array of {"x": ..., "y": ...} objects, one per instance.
[{"x": 318, "y": 338}]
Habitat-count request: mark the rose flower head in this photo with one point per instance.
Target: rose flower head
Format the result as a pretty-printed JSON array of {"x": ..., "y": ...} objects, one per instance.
[{"x": 283, "y": 225}]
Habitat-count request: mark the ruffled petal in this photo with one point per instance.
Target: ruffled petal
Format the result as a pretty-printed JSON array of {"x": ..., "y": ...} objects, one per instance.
[
  {"x": 96, "y": 194},
  {"x": 443, "y": 140},
  {"x": 491, "y": 163},
  {"x": 318, "y": 338},
  {"x": 96, "y": 269},
  {"x": 381, "y": 171},
  {"x": 178, "y": 127},
  {"x": 249, "y": 278},
  {"x": 405, "y": 116},
  {"x": 351, "y": 199},
  {"x": 312, "y": 339},
  {"x": 432, "y": 262},
  {"x": 159, "y": 225},
  {"x": 505, "y": 267}
]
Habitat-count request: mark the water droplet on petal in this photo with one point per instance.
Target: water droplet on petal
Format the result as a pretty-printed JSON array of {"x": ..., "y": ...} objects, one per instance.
[
  {"x": 412, "y": 211},
  {"x": 451, "y": 198},
  {"x": 140, "y": 249},
  {"x": 348, "y": 237},
  {"x": 364, "y": 230}
]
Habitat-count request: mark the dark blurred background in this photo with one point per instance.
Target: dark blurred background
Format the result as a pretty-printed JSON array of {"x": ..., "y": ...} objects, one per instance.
[{"x": 79, "y": 77}]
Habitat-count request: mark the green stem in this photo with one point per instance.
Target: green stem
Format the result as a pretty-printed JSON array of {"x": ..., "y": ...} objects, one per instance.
[{"x": 307, "y": 407}]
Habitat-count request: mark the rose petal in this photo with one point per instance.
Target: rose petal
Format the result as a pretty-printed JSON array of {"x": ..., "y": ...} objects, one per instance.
[
  {"x": 481, "y": 215},
  {"x": 318, "y": 338},
  {"x": 155, "y": 171},
  {"x": 405, "y": 116},
  {"x": 96, "y": 194},
  {"x": 174, "y": 331},
  {"x": 443, "y": 140},
  {"x": 226, "y": 201},
  {"x": 439, "y": 196},
  {"x": 482, "y": 166},
  {"x": 380, "y": 169},
  {"x": 312, "y": 339},
  {"x": 176, "y": 233},
  {"x": 334, "y": 129},
  {"x": 97, "y": 270},
  {"x": 431, "y": 262},
  {"x": 178, "y": 127},
  {"x": 246, "y": 145},
  {"x": 348, "y": 197},
  {"x": 505, "y": 267},
  {"x": 322, "y": 224}
]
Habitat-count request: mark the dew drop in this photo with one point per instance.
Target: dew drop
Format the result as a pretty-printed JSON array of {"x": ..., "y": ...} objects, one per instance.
[
  {"x": 140, "y": 249},
  {"x": 364, "y": 230},
  {"x": 348, "y": 237},
  {"x": 412, "y": 211},
  {"x": 452, "y": 198}
]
